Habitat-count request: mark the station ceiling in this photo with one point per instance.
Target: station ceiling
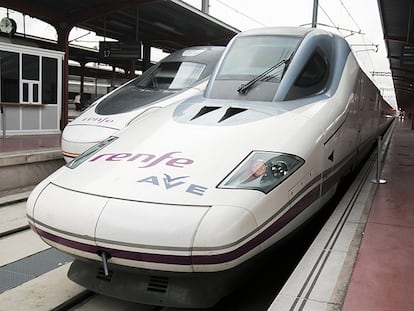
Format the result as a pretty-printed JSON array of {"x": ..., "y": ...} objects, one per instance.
[
  {"x": 168, "y": 25},
  {"x": 397, "y": 22},
  {"x": 172, "y": 24}
]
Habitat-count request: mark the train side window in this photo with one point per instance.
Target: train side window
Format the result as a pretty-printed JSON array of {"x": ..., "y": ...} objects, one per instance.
[
  {"x": 312, "y": 79},
  {"x": 314, "y": 72}
]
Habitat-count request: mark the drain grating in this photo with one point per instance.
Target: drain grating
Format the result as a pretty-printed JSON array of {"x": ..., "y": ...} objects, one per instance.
[{"x": 28, "y": 268}]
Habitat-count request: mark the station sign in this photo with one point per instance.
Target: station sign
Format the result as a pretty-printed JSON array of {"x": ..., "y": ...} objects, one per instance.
[{"x": 119, "y": 50}]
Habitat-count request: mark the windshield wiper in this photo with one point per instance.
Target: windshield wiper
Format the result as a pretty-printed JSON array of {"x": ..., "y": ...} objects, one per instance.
[{"x": 246, "y": 86}]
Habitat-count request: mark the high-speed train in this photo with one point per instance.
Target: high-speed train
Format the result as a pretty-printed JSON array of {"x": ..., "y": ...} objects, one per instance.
[
  {"x": 173, "y": 209},
  {"x": 180, "y": 75}
]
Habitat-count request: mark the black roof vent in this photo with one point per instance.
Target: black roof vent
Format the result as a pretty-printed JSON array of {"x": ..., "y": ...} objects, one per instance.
[
  {"x": 203, "y": 111},
  {"x": 231, "y": 112}
]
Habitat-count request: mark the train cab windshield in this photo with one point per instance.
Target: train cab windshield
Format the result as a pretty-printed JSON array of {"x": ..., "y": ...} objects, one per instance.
[
  {"x": 167, "y": 78},
  {"x": 250, "y": 56},
  {"x": 274, "y": 68},
  {"x": 172, "y": 76},
  {"x": 264, "y": 58}
]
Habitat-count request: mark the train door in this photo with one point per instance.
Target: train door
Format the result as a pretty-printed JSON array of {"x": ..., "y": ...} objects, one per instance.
[
  {"x": 343, "y": 142},
  {"x": 359, "y": 111},
  {"x": 359, "y": 118},
  {"x": 376, "y": 114},
  {"x": 329, "y": 160}
]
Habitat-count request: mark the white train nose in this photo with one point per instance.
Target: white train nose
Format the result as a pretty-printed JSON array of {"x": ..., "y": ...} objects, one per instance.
[
  {"x": 149, "y": 235},
  {"x": 130, "y": 233},
  {"x": 67, "y": 219},
  {"x": 181, "y": 238},
  {"x": 78, "y": 138}
]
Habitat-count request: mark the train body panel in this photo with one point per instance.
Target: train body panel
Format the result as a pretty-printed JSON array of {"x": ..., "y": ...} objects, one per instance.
[{"x": 205, "y": 185}]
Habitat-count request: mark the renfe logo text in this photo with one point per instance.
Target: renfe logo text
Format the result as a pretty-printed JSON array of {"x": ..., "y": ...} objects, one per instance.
[
  {"x": 147, "y": 159},
  {"x": 98, "y": 120}
]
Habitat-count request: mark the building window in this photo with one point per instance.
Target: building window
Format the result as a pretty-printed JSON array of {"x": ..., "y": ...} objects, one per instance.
[
  {"x": 49, "y": 80},
  {"x": 9, "y": 76},
  {"x": 25, "y": 92},
  {"x": 30, "y": 67}
]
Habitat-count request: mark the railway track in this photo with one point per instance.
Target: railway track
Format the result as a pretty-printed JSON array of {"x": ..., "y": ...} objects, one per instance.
[
  {"x": 12, "y": 218},
  {"x": 33, "y": 275}
]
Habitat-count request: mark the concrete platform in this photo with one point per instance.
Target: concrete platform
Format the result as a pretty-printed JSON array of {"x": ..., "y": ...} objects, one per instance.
[
  {"x": 26, "y": 160},
  {"x": 383, "y": 275}
]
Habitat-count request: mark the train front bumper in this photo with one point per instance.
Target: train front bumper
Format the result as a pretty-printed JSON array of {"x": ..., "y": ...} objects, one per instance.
[{"x": 164, "y": 237}]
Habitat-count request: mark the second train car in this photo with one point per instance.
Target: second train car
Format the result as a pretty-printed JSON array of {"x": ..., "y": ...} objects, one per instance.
[{"x": 178, "y": 76}]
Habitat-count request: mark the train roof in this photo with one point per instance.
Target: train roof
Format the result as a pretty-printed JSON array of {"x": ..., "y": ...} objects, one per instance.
[{"x": 288, "y": 31}]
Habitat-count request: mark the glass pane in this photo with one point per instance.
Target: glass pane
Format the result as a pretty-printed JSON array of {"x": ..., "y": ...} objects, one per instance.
[
  {"x": 49, "y": 80},
  {"x": 25, "y": 92},
  {"x": 30, "y": 67},
  {"x": 9, "y": 64},
  {"x": 167, "y": 79},
  {"x": 250, "y": 56},
  {"x": 314, "y": 72},
  {"x": 35, "y": 93},
  {"x": 173, "y": 76},
  {"x": 187, "y": 74}
]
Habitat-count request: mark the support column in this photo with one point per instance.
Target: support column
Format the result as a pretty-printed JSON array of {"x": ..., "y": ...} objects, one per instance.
[
  {"x": 412, "y": 119},
  {"x": 82, "y": 82},
  {"x": 146, "y": 58},
  {"x": 315, "y": 14},
  {"x": 63, "y": 31},
  {"x": 132, "y": 68},
  {"x": 113, "y": 78},
  {"x": 205, "y": 5}
]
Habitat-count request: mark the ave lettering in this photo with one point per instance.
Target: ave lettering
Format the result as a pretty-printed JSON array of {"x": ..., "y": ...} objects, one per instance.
[{"x": 172, "y": 182}]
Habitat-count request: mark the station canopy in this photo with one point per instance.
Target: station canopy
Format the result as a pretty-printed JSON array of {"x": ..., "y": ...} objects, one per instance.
[
  {"x": 167, "y": 24},
  {"x": 397, "y": 19}
]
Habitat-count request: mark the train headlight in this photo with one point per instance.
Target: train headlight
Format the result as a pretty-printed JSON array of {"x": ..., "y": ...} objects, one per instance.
[
  {"x": 262, "y": 171},
  {"x": 90, "y": 152}
]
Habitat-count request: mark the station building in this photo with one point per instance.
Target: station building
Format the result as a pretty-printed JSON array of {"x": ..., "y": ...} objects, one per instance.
[
  {"x": 30, "y": 89},
  {"x": 38, "y": 81}
]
